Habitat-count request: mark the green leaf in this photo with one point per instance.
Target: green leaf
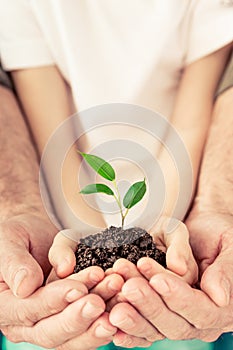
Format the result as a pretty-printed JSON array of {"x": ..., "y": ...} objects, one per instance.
[
  {"x": 100, "y": 165},
  {"x": 97, "y": 188},
  {"x": 134, "y": 194}
]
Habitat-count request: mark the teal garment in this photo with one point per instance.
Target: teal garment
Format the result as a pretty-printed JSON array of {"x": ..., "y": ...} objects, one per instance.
[
  {"x": 7, "y": 345},
  {"x": 159, "y": 345},
  {"x": 167, "y": 344},
  {"x": 224, "y": 342}
]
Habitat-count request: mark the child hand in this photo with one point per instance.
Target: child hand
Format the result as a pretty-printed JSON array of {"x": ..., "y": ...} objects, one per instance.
[
  {"x": 172, "y": 237},
  {"x": 62, "y": 258}
]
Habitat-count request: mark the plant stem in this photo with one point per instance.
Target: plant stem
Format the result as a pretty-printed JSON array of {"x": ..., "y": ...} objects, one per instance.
[
  {"x": 118, "y": 200},
  {"x": 123, "y": 217}
]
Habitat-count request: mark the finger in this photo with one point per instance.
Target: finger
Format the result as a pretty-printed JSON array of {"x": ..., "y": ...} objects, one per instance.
[
  {"x": 129, "y": 341},
  {"x": 118, "y": 298},
  {"x": 143, "y": 298},
  {"x": 149, "y": 267},
  {"x": 53, "y": 331},
  {"x": 52, "y": 276},
  {"x": 19, "y": 269},
  {"x": 101, "y": 332},
  {"x": 126, "y": 269},
  {"x": 109, "y": 287},
  {"x": 90, "y": 276},
  {"x": 191, "y": 304},
  {"x": 109, "y": 271},
  {"x": 46, "y": 301},
  {"x": 61, "y": 255},
  {"x": 128, "y": 320},
  {"x": 217, "y": 279}
]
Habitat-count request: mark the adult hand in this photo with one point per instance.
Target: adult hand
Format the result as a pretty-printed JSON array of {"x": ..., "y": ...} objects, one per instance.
[
  {"x": 138, "y": 309},
  {"x": 24, "y": 245},
  {"x": 36, "y": 318},
  {"x": 170, "y": 304},
  {"x": 56, "y": 315},
  {"x": 179, "y": 257}
]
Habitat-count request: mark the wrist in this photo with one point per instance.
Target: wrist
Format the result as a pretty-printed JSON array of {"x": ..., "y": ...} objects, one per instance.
[
  {"x": 28, "y": 214},
  {"x": 211, "y": 204},
  {"x": 208, "y": 221}
]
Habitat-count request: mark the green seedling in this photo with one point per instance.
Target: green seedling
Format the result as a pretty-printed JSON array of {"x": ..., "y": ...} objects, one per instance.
[{"x": 134, "y": 194}]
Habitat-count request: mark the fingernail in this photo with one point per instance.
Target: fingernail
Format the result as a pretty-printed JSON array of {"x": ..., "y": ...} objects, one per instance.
[
  {"x": 126, "y": 323},
  {"x": 73, "y": 295},
  {"x": 111, "y": 285},
  {"x": 102, "y": 332},
  {"x": 63, "y": 265},
  {"x": 95, "y": 277},
  {"x": 126, "y": 342},
  {"x": 145, "y": 267},
  {"x": 19, "y": 277},
  {"x": 160, "y": 286},
  {"x": 90, "y": 310},
  {"x": 133, "y": 294},
  {"x": 120, "y": 298},
  {"x": 183, "y": 266}
]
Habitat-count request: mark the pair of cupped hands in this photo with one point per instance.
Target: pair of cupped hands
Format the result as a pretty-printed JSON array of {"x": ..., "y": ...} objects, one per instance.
[
  {"x": 125, "y": 295},
  {"x": 131, "y": 305}
]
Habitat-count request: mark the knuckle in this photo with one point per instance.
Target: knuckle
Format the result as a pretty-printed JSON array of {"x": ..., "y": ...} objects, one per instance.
[
  {"x": 200, "y": 324},
  {"x": 51, "y": 306},
  {"x": 22, "y": 317},
  {"x": 152, "y": 337},
  {"x": 11, "y": 335},
  {"x": 209, "y": 338},
  {"x": 63, "y": 347},
  {"x": 71, "y": 325},
  {"x": 183, "y": 304},
  {"x": 181, "y": 335},
  {"x": 147, "y": 332},
  {"x": 31, "y": 318},
  {"x": 152, "y": 313},
  {"x": 206, "y": 322},
  {"x": 140, "y": 342},
  {"x": 41, "y": 338}
]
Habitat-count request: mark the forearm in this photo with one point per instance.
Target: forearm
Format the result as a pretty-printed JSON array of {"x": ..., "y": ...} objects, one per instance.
[
  {"x": 191, "y": 118},
  {"x": 19, "y": 188},
  {"x": 46, "y": 110},
  {"x": 215, "y": 189}
]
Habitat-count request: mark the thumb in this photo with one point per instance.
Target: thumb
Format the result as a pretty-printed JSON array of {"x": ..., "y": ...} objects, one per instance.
[
  {"x": 179, "y": 257},
  {"x": 217, "y": 279},
  {"x": 61, "y": 254},
  {"x": 19, "y": 270}
]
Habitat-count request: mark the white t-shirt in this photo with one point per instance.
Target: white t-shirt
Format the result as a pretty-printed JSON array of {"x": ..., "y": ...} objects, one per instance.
[
  {"x": 129, "y": 51},
  {"x": 111, "y": 51}
]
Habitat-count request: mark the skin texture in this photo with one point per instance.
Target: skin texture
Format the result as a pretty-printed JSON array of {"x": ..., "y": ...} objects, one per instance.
[
  {"x": 19, "y": 180},
  {"x": 26, "y": 234},
  {"x": 210, "y": 223},
  {"x": 17, "y": 327}
]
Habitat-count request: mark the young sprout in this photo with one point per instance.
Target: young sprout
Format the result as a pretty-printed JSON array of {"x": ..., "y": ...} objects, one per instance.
[{"x": 134, "y": 194}]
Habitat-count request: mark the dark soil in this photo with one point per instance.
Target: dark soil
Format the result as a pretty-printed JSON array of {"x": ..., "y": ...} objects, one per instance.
[{"x": 104, "y": 248}]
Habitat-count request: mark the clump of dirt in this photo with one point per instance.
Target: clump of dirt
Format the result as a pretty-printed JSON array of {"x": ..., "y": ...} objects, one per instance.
[{"x": 104, "y": 248}]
